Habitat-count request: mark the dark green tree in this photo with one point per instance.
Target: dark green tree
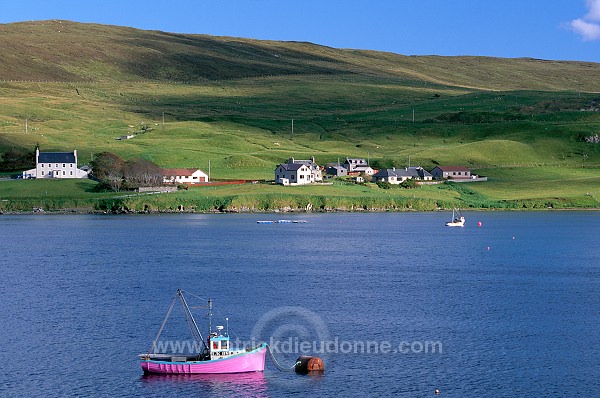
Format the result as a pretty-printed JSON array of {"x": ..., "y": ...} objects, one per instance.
[{"x": 14, "y": 159}]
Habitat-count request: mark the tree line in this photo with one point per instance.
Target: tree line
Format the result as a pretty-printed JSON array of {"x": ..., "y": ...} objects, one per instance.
[
  {"x": 17, "y": 160},
  {"x": 116, "y": 174}
]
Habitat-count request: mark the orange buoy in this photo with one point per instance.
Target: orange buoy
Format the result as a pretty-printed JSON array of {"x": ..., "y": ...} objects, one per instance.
[
  {"x": 306, "y": 364},
  {"x": 437, "y": 391}
]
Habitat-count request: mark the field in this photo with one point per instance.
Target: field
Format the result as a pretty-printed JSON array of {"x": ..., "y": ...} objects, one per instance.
[{"x": 230, "y": 103}]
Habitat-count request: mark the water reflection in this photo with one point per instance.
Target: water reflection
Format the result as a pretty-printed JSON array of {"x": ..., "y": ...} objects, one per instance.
[{"x": 251, "y": 384}]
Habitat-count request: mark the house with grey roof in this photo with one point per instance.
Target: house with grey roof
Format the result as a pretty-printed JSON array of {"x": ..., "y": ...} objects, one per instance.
[
  {"x": 55, "y": 165},
  {"x": 337, "y": 171},
  {"x": 357, "y": 166},
  {"x": 398, "y": 176},
  {"x": 293, "y": 174},
  {"x": 315, "y": 169}
]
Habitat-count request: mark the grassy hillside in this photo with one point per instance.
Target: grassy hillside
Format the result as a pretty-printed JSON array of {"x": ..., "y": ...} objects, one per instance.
[{"x": 231, "y": 101}]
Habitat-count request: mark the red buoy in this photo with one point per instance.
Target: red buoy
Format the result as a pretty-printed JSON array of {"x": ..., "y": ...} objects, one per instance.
[{"x": 306, "y": 364}]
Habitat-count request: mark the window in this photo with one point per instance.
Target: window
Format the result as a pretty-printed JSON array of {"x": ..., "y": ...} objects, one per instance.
[
  {"x": 71, "y": 165},
  {"x": 42, "y": 172},
  {"x": 64, "y": 165},
  {"x": 301, "y": 176},
  {"x": 57, "y": 165},
  {"x": 64, "y": 172},
  {"x": 42, "y": 164},
  {"x": 71, "y": 173}
]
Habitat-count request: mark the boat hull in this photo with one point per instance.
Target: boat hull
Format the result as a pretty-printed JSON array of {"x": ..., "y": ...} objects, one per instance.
[{"x": 252, "y": 361}]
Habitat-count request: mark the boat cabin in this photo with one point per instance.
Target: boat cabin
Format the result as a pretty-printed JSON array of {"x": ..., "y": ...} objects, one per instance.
[{"x": 219, "y": 345}]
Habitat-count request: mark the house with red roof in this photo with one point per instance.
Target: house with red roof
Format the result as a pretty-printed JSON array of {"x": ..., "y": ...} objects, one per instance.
[
  {"x": 451, "y": 172},
  {"x": 184, "y": 176}
]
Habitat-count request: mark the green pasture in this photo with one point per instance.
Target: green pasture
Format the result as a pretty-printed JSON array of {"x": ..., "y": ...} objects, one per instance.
[{"x": 229, "y": 103}]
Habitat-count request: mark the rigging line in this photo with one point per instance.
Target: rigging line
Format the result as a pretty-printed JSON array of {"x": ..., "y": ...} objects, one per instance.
[
  {"x": 277, "y": 365},
  {"x": 230, "y": 330},
  {"x": 194, "y": 295},
  {"x": 191, "y": 321},
  {"x": 163, "y": 325}
]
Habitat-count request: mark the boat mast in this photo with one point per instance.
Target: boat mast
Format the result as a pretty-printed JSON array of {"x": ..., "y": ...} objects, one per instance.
[{"x": 209, "y": 316}]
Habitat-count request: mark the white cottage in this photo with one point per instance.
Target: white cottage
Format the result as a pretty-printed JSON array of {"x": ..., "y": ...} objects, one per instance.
[
  {"x": 293, "y": 174},
  {"x": 357, "y": 166},
  {"x": 315, "y": 169},
  {"x": 184, "y": 176},
  {"x": 55, "y": 165}
]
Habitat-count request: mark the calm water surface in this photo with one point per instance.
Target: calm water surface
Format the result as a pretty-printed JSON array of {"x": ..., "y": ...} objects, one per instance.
[{"x": 515, "y": 303}]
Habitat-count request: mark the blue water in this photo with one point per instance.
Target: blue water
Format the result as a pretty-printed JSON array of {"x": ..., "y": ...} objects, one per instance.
[{"x": 515, "y": 303}]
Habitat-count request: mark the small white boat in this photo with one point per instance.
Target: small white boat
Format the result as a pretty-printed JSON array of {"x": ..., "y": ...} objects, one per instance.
[{"x": 457, "y": 219}]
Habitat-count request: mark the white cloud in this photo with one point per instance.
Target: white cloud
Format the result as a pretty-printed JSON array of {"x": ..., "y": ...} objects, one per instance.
[
  {"x": 594, "y": 13},
  {"x": 588, "y": 31},
  {"x": 588, "y": 27}
]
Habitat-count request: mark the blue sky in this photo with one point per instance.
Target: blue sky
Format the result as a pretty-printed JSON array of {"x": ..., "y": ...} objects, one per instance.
[{"x": 547, "y": 29}]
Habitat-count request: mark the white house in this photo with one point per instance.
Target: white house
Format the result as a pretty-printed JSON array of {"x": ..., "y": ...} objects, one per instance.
[
  {"x": 293, "y": 174},
  {"x": 357, "y": 166},
  {"x": 315, "y": 169},
  {"x": 184, "y": 176},
  {"x": 55, "y": 165},
  {"x": 398, "y": 176}
]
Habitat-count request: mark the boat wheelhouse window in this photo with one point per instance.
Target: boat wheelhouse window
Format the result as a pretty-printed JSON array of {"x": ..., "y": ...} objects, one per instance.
[{"x": 224, "y": 344}]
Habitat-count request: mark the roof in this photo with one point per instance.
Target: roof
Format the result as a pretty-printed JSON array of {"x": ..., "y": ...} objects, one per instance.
[
  {"x": 310, "y": 163},
  {"x": 453, "y": 168},
  {"x": 179, "y": 172},
  {"x": 57, "y": 157},
  {"x": 421, "y": 172},
  {"x": 392, "y": 173},
  {"x": 414, "y": 172},
  {"x": 291, "y": 167}
]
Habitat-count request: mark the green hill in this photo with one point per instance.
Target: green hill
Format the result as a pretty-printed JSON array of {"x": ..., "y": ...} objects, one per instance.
[
  {"x": 231, "y": 101},
  {"x": 75, "y": 52}
]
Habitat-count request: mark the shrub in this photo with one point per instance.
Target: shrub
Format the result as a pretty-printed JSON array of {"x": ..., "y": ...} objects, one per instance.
[
  {"x": 409, "y": 184},
  {"x": 384, "y": 184}
]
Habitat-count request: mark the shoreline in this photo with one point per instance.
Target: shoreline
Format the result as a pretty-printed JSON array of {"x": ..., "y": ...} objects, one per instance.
[{"x": 67, "y": 212}]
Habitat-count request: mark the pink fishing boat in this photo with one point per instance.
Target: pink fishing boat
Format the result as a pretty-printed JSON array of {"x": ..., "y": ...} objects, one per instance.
[{"x": 217, "y": 355}]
